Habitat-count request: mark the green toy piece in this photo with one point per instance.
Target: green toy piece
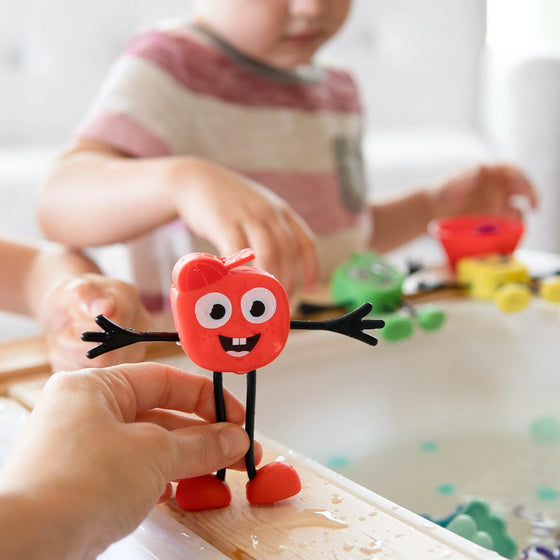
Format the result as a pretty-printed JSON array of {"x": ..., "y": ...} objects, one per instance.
[
  {"x": 430, "y": 318},
  {"x": 397, "y": 327},
  {"x": 477, "y": 523},
  {"x": 462, "y": 525},
  {"x": 368, "y": 276}
]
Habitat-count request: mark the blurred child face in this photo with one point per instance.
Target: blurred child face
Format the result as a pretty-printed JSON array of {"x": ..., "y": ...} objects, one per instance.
[{"x": 281, "y": 33}]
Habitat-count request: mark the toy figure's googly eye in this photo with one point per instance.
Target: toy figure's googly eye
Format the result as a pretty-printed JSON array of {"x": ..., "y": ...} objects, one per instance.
[
  {"x": 258, "y": 305},
  {"x": 213, "y": 310}
]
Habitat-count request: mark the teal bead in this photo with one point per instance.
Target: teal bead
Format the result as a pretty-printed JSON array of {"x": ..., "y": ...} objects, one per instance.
[
  {"x": 463, "y": 525},
  {"x": 482, "y": 538},
  {"x": 545, "y": 429},
  {"x": 429, "y": 446},
  {"x": 446, "y": 489}
]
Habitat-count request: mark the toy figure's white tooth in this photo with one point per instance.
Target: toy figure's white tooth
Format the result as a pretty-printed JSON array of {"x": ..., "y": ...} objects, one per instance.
[
  {"x": 242, "y": 341},
  {"x": 235, "y": 341}
]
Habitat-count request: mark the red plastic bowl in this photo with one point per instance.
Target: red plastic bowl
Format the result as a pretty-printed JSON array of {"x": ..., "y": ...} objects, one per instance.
[{"x": 476, "y": 235}]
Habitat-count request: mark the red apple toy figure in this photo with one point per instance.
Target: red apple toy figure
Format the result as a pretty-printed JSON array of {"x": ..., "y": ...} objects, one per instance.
[{"x": 231, "y": 318}]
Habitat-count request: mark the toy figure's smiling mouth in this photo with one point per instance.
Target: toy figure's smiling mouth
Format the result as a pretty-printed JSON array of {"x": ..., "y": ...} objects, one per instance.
[{"x": 238, "y": 347}]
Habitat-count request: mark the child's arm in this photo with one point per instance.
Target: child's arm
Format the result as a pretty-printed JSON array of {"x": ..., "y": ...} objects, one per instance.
[
  {"x": 112, "y": 197},
  {"x": 400, "y": 220},
  {"x": 28, "y": 270},
  {"x": 17, "y": 260},
  {"x": 97, "y": 195},
  {"x": 483, "y": 190},
  {"x": 65, "y": 291}
]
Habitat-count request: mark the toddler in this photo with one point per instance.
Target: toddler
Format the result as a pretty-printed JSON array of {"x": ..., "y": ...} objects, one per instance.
[{"x": 223, "y": 132}]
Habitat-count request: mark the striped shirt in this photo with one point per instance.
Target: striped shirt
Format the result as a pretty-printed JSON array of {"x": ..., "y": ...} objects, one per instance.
[{"x": 296, "y": 132}]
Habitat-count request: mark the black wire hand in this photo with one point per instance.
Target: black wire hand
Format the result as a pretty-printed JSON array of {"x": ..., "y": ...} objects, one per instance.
[
  {"x": 352, "y": 324},
  {"x": 114, "y": 336}
]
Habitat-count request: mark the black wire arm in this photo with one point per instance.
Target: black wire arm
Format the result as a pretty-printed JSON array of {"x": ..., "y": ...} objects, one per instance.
[
  {"x": 114, "y": 336},
  {"x": 352, "y": 324}
]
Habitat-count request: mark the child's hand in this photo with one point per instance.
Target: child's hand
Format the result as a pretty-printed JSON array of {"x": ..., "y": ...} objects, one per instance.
[
  {"x": 485, "y": 190},
  {"x": 233, "y": 212},
  {"x": 99, "y": 451},
  {"x": 70, "y": 308}
]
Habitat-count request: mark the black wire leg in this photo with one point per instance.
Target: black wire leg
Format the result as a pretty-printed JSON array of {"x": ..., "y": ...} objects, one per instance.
[
  {"x": 250, "y": 422},
  {"x": 220, "y": 408}
]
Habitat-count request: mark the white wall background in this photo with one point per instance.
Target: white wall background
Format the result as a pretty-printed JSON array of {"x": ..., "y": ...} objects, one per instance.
[
  {"x": 437, "y": 99},
  {"x": 418, "y": 59}
]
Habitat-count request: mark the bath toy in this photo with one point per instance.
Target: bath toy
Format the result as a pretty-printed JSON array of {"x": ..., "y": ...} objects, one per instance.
[
  {"x": 231, "y": 318},
  {"x": 368, "y": 276},
  {"x": 476, "y": 236},
  {"x": 479, "y": 250},
  {"x": 476, "y": 522}
]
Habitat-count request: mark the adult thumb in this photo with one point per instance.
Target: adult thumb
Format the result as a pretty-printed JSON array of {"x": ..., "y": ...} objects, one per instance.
[{"x": 208, "y": 448}]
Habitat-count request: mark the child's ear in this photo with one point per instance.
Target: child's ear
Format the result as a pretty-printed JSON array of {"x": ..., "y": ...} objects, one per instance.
[{"x": 197, "y": 270}]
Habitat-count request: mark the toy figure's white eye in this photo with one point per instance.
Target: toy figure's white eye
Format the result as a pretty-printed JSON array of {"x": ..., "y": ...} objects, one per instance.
[
  {"x": 213, "y": 310},
  {"x": 258, "y": 305}
]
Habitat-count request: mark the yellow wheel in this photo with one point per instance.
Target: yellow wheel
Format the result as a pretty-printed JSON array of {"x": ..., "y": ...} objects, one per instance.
[
  {"x": 549, "y": 289},
  {"x": 513, "y": 297}
]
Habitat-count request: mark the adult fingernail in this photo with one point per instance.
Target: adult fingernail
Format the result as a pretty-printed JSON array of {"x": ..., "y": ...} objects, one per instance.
[
  {"x": 234, "y": 441},
  {"x": 100, "y": 305}
]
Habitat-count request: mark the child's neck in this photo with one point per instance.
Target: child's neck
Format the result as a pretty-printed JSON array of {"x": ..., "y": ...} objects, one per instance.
[{"x": 304, "y": 73}]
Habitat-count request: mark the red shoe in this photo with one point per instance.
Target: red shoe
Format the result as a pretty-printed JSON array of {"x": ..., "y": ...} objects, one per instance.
[
  {"x": 202, "y": 492},
  {"x": 272, "y": 483}
]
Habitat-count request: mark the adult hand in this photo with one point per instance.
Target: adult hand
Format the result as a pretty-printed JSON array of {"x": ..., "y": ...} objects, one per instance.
[{"x": 99, "y": 450}]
